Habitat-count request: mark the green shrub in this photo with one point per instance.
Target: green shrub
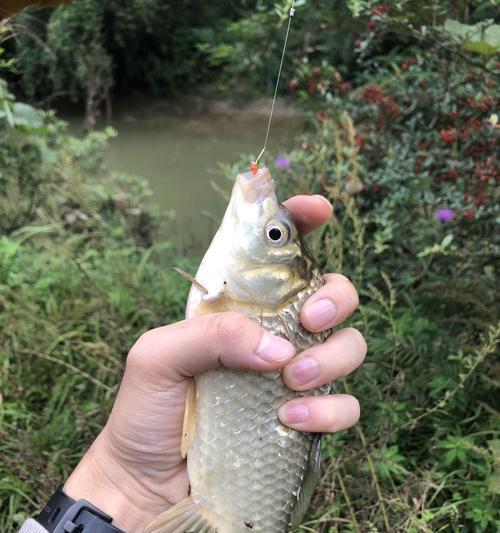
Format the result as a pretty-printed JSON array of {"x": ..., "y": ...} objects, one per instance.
[
  {"x": 80, "y": 280},
  {"x": 87, "y": 47},
  {"x": 245, "y": 53},
  {"x": 407, "y": 156}
]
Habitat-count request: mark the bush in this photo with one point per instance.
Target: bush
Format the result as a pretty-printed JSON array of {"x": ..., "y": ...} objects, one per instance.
[
  {"x": 407, "y": 158},
  {"x": 87, "y": 47},
  {"x": 80, "y": 280},
  {"x": 245, "y": 53}
]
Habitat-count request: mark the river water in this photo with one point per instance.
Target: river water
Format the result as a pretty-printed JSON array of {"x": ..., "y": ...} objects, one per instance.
[{"x": 180, "y": 147}]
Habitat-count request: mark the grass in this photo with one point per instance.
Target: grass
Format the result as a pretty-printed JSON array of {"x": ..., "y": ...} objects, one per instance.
[{"x": 82, "y": 276}]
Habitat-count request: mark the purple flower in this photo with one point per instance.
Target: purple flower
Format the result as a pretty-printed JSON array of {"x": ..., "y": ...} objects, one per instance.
[
  {"x": 444, "y": 215},
  {"x": 283, "y": 162}
]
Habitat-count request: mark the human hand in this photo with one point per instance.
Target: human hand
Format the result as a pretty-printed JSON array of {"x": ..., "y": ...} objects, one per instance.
[{"x": 134, "y": 469}]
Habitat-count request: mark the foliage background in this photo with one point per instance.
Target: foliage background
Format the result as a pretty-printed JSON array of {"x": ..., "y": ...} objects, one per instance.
[{"x": 402, "y": 102}]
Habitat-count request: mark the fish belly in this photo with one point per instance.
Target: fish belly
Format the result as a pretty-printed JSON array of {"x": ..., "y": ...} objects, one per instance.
[{"x": 244, "y": 465}]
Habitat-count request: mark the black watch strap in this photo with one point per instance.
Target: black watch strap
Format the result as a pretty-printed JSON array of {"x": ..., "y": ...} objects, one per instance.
[{"x": 62, "y": 514}]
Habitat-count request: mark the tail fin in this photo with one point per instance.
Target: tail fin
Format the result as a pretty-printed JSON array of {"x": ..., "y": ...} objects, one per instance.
[{"x": 184, "y": 517}]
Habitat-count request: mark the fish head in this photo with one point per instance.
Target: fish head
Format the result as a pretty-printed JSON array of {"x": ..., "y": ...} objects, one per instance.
[{"x": 257, "y": 256}]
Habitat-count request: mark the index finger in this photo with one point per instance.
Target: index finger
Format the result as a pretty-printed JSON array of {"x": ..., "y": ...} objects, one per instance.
[{"x": 309, "y": 212}]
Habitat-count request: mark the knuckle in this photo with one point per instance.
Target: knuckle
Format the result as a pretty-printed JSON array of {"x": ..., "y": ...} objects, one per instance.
[
  {"x": 351, "y": 289},
  {"x": 346, "y": 284},
  {"x": 230, "y": 327},
  {"x": 145, "y": 350},
  {"x": 351, "y": 349},
  {"x": 358, "y": 340},
  {"x": 341, "y": 278},
  {"x": 356, "y": 409},
  {"x": 337, "y": 279},
  {"x": 331, "y": 416},
  {"x": 349, "y": 417},
  {"x": 350, "y": 363},
  {"x": 355, "y": 296},
  {"x": 347, "y": 365},
  {"x": 135, "y": 356}
]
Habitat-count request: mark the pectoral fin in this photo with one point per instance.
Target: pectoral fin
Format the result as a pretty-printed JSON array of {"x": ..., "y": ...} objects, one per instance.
[
  {"x": 210, "y": 294},
  {"x": 189, "y": 422},
  {"x": 190, "y": 278},
  {"x": 310, "y": 481},
  {"x": 186, "y": 516}
]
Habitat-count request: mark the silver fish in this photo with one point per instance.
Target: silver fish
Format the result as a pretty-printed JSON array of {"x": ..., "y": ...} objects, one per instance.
[{"x": 248, "y": 472}]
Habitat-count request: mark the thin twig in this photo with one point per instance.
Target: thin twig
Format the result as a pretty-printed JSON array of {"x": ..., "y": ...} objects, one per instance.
[
  {"x": 348, "y": 501},
  {"x": 69, "y": 366}
]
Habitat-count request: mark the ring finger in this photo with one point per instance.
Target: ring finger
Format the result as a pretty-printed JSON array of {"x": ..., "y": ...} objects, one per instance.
[{"x": 320, "y": 414}]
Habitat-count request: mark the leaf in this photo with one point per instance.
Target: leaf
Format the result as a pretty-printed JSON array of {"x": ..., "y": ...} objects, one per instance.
[
  {"x": 7, "y": 114},
  {"x": 494, "y": 446},
  {"x": 494, "y": 484},
  {"x": 8, "y": 249},
  {"x": 476, "y": 37},
  {"x": 26, "y": 115},
  {"x": 355, "y": 7},
  {"x": 450, "y": 457},
  {"x": 447, "y": 240},
  {"x": 480, "y": 48}
]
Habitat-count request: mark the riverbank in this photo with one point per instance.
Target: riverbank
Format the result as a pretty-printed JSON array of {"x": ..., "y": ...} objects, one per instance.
[{"x": 179, "y": 145}]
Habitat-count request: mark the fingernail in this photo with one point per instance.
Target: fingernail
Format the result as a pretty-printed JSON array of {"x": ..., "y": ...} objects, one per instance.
[
  {"x": 272, "y": 348},
  {"x": 304, "y": 370},
  {"x": 320, "y": 313},
  {"x": 293, "y": 413}
]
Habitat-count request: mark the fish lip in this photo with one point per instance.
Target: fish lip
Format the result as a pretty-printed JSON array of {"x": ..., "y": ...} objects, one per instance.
[{"x": 256, "y": 186}]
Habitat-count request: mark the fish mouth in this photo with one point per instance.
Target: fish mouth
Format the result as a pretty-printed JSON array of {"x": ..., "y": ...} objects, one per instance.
[{"x": 256, "y": 186}]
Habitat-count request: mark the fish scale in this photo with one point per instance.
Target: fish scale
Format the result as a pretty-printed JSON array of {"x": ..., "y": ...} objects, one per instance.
[{"x": 249, "y": 471}]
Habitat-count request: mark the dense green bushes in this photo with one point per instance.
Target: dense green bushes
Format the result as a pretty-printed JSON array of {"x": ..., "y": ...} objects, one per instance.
[
  {"x": 406, "y": 149},
  {"x": 79, "y": 281},
  {"x": 407, "y": 156},
  {"x": 87, "y": 50},
  {"x": 89, "y": 46},
  {"x": 246, "y": 53},
  {"x": 90, "y": 51}
]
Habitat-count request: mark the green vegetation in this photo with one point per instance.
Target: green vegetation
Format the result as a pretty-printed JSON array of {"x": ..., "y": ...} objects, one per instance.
[
  {"x": 89, "y": 50},
  {"x": 404, "y": 146},
  {"x": 415, "y": 214},
  {"x": 80, "y": 279}
]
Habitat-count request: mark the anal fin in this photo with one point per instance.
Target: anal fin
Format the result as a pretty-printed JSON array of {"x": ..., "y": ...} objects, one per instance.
[{"x": 184, "y": 517}]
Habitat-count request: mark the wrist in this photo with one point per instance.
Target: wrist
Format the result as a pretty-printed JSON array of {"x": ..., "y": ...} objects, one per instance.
[{"x": 103, "y": 482}]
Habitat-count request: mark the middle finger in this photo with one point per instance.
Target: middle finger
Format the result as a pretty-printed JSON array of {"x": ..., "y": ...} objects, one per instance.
[{"x": 337, "y": 357}]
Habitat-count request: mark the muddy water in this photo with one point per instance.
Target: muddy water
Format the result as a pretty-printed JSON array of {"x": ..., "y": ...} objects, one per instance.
[{"x": 179, "y": 148}]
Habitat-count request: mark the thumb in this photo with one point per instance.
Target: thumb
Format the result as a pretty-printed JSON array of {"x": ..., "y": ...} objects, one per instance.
[{"x": 198, "y": 344}]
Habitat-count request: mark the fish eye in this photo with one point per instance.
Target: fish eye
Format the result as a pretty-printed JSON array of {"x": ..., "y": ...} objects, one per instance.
[
  {"x": 274, "y": 234},
  {"x": 278, "y": 233}
]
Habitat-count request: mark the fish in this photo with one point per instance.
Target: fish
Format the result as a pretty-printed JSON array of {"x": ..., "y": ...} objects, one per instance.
[{"x": 247, "y": 471}]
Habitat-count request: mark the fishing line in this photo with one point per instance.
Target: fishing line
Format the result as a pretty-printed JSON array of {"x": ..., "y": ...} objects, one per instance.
[{"x": 291, "y": 14}]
